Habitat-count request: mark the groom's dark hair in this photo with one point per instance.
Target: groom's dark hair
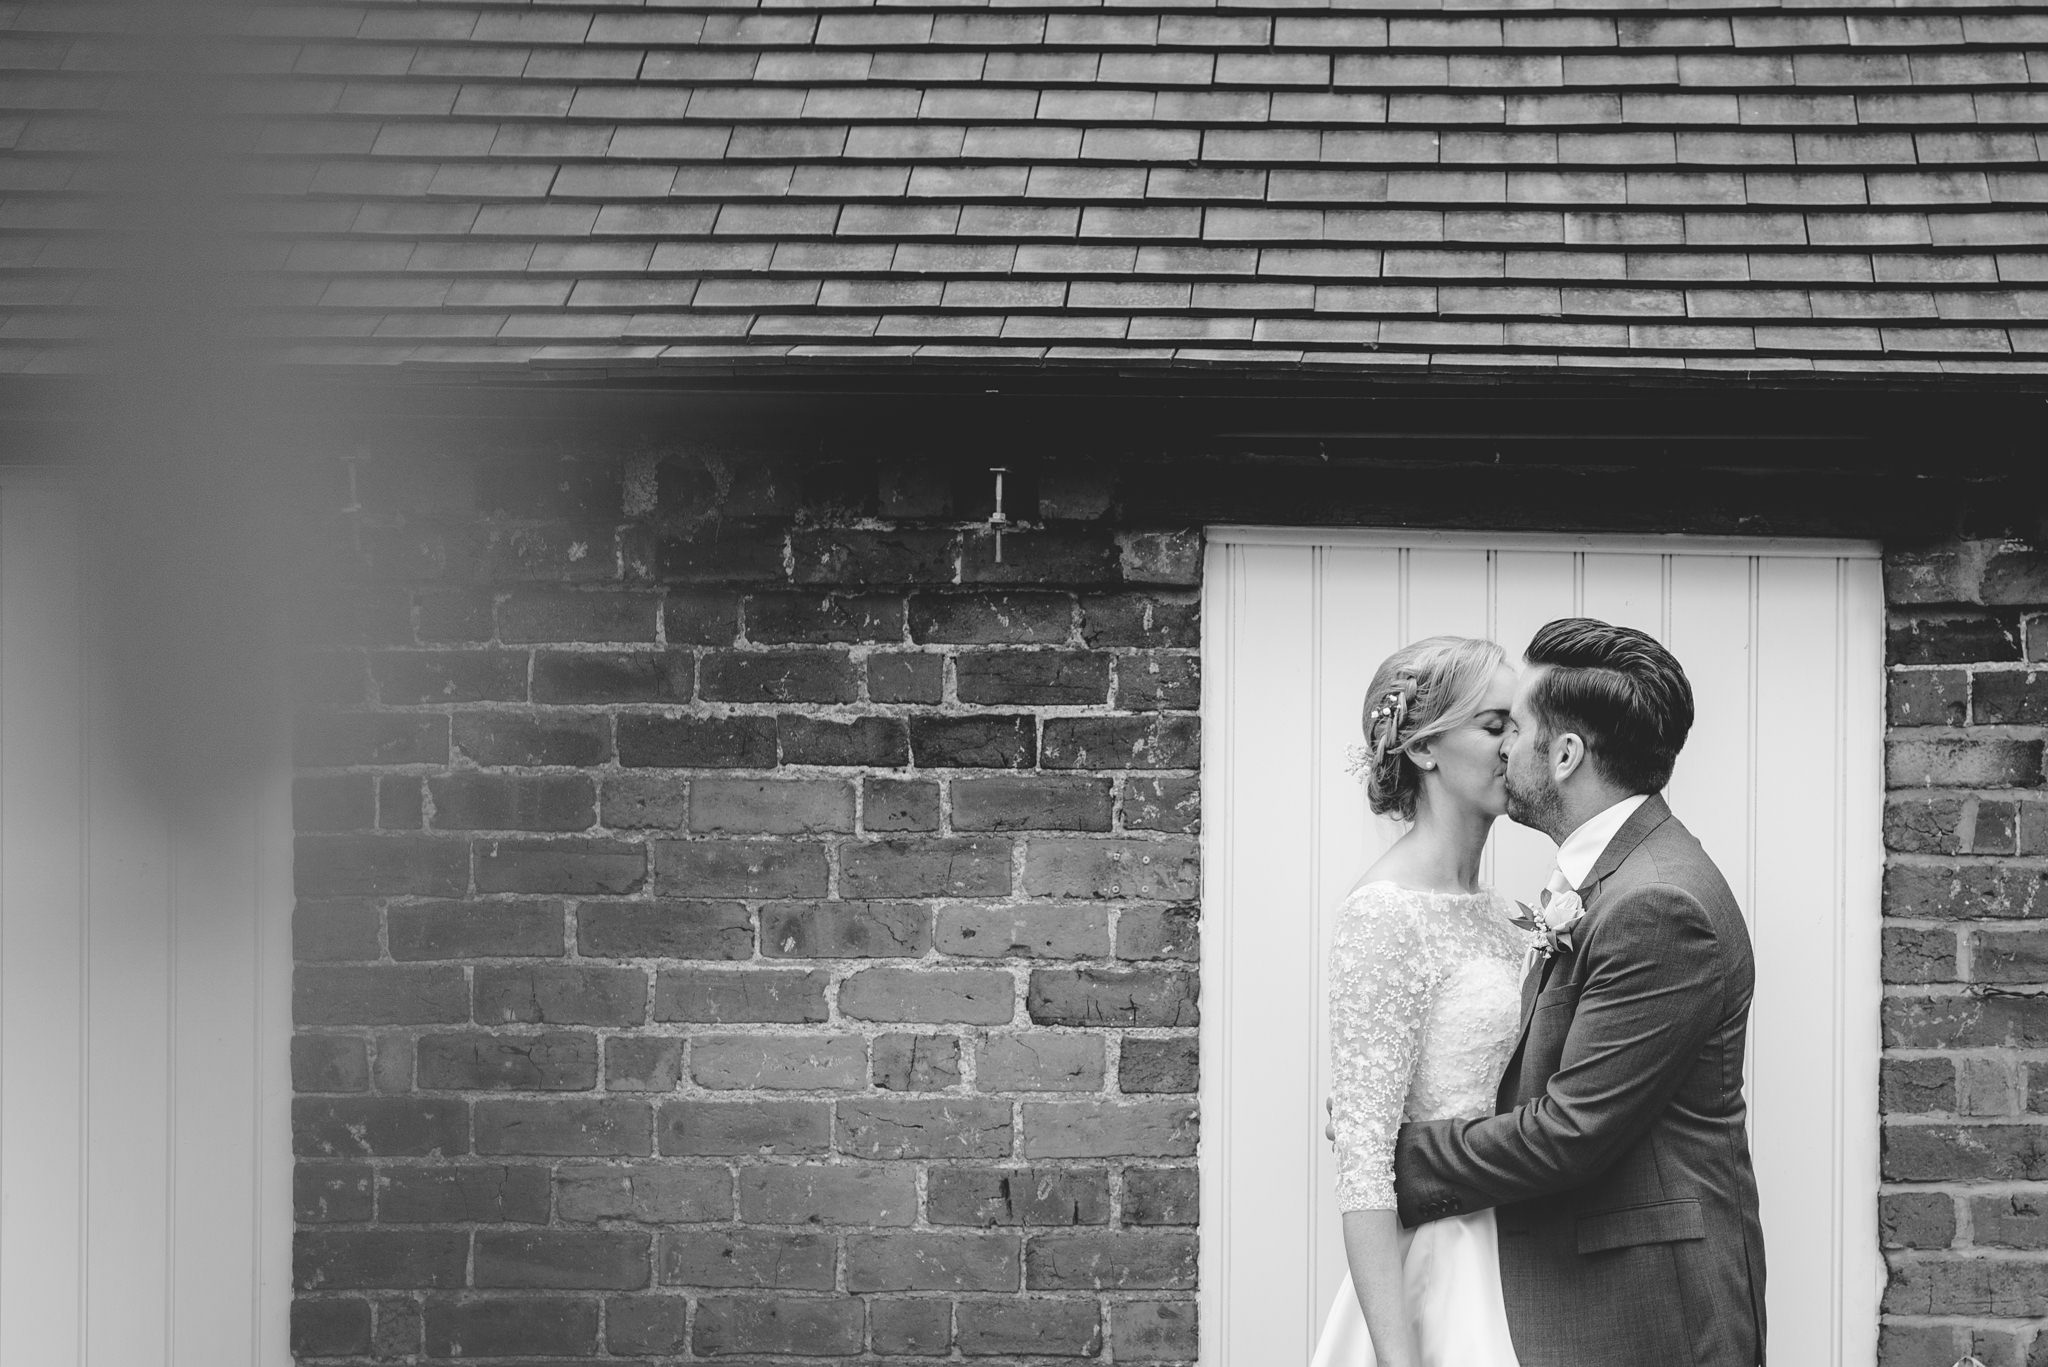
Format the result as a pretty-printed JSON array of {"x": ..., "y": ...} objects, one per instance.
[{"x": 1621, "y": 690}]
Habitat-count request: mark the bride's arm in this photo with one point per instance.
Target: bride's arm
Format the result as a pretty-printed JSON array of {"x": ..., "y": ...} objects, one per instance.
[
  {"x": 1372, "y": 1245},
  {"x": 1379, "y": 997}
]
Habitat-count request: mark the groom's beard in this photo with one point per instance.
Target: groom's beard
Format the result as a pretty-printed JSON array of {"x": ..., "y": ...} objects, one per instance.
[{"x": 1539, "y": 806}]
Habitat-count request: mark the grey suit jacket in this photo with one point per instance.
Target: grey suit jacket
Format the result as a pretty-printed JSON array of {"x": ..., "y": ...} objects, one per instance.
[{"x": 1620, "y": 1163}]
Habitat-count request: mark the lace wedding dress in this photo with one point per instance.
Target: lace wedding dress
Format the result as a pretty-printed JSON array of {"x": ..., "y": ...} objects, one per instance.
[{"x": 1425, "y": 1001}]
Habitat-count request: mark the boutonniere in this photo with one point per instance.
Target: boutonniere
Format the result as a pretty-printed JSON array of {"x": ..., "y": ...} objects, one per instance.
[{"x": 1550, "y": 928}]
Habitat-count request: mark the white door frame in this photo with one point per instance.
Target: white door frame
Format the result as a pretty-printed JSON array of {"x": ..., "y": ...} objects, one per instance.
[
  {"x": 1258, "y": 907},
  {"x": 145, "y": 1004}
]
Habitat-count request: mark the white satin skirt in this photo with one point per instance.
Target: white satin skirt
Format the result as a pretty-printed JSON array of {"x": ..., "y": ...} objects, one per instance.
[{"x": 1452, "y": 1271}]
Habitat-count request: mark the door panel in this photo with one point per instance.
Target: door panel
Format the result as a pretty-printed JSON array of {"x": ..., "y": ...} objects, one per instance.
[{"x": 1780, "y": 780}]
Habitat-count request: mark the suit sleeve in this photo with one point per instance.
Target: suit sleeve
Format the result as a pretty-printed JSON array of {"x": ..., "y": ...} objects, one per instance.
[{"x": 1651, "y": 996}]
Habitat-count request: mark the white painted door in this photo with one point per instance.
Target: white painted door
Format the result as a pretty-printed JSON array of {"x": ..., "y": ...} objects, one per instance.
[
  {"x": 1780, "y": 780},
  {"x": 145, "y": 1021}
]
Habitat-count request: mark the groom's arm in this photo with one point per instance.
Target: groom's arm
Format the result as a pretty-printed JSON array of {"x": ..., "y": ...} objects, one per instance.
[{"x": 1652, "y": 995}]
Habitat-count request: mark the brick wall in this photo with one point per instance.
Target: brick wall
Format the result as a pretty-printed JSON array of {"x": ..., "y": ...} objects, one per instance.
[
  {"x": 1964, "y": 1209},
  {"x": 740, "y": 917}
]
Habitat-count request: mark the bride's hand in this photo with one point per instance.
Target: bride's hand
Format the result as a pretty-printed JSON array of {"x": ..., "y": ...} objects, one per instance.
[{"x": 1330, "y": 1125}]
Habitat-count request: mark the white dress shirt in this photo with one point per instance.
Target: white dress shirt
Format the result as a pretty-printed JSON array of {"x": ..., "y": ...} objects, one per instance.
[{"x": 1583, "y": 847}]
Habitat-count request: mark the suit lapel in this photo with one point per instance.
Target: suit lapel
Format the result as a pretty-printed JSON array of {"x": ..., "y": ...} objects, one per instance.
[{"x": 1644, "y": 819}]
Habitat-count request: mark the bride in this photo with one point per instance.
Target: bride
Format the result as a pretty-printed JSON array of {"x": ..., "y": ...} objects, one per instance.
[{"x": 1425, "y": 976}]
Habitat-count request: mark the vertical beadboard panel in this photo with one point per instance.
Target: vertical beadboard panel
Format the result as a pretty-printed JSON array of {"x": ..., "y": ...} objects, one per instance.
[
  {"x": 43, "y": 1062},
  {"x": 1781, "y": 780},
  {"x": 145, "y": 1144}
]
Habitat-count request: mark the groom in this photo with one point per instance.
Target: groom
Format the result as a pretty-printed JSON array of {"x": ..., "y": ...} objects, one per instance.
[{"x": 1619, "y": 1162}]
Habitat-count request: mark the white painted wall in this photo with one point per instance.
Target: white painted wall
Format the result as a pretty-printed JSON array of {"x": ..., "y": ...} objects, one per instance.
[
  {"x": 1781, "y": 781},
  {"x": 145, "y": 1013}
]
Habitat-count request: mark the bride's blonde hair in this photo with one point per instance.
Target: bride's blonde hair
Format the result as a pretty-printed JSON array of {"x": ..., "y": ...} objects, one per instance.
[{"x": 1420, "y": 692}]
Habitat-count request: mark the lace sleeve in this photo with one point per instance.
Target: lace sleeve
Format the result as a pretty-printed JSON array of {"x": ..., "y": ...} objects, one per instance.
[{"x": 1380, "y": 990}]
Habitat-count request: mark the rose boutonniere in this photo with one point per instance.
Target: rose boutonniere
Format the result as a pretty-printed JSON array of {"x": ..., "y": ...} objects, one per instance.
[{"x": 1551, "y": 927}]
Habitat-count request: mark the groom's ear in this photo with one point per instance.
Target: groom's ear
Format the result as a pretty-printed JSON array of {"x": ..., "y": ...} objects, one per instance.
[{"x": 1567, "y": 755}]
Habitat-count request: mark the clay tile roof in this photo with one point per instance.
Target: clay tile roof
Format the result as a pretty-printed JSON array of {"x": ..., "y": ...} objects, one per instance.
[{"x": 1716, "y": 186}]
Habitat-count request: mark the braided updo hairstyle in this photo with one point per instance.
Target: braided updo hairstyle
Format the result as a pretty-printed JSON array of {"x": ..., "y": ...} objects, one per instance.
[{"x": 1419, "y": 692}]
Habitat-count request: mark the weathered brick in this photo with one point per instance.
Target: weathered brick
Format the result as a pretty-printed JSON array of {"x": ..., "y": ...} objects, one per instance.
[
  {"x": 1993, "y": 1153},
  {"x": 650, "y": 1064},
  {"x": 1162, "y": 802},
  {"x": 917, "y": 1261},
  {"x": 915, "y": 1063},
  {"x": 535, "y": 737},
  {"x": 2009, "y": 697},
  {"x": 329, "y": 1063},
  {"x": 509, "y": 802},
  {"x": 909, "y": 867},
  {"x": 476, "y": 930},
  {"x": 1957, "y": 889},
  {"x": 973, "y": 996},
  {"x": 829, "y": 1194},
  {"x": 704, "y": 1129},
  {"x": 755, "y": 806},
  {"x": 1162, "y": 1196},
  {"x": 845, "y": 930},
  {"x": 341, "y": 1259},
  {"x": 1951, "y": 638},
  {"x": 905, "y": 676},
  {"x": 1916, "y": 1219},
  {"x": 1161, "y": 741},
  {"x": 964, "y": 1195},
  {"x": 1157, "y": 1065},
  {"x": 654, "y": 742},
  {"x": 1039, "y": 1062},
  {"x": 466, "y": 1193},
  {"x": 378, "y": 995},
  {"x": 1118, "y": 998},
  {"x": 664, "y": 930},
  {"x": 1993, "y": 827},
  {"x": 1064, "y": 1327},
  {"x": 878, "y": 742},
  {"x": 570, "y": 1259},
  {"x": 1923, "y": 825},
  {"x": 552, "y": 1061},
  {"x": 1927, "y": 697},
  {"x": 327, "y": 929},
  {"x": 784, "y": 618},
  {"x": 737, "y": 996},
  {"x": 1110, "y": 1261},
  {"x": 645, "y": 1326},
  {"x": 413, "y": 677},
  {"x": 334, "y": 802},
  {"x": 1131, "y": 620},
  {"x": 727, "y": 554},
  {"x": 1908, "y": 1085},
  {"x": 780, "y": 676},
  {"x": 379, "y": 1127},
  {"x": 543, "y": 615},
  {"x": 1916, "y": 955},
  {"x": 324, "y": 1193},
  {"x": 654, "y": 802},
  {"x": 631, "y": 676},
  {"x": 781, "y": 1062},
  {"x": 1965, "y": 1022},
  {"x": 331, "y": 1328},
  {"x": 587, "y": 866},
  {"x": 739, "y": 868},
  {"x": 380, "y": 866},
  {"x": 991, "y": 618},
  {"x": 911, "y": 1326},
  {"x": 1042, "y": 804},
  {"x": 842, "y": 556},
  {"x": 944, "y": 1128},
  {"x": 760, "y": 1259},
  {"x": 1153, "y": 1331},
  {"x": 1101, "y": 1129},
  {"x": 974, "y": 742},
  {"x": 1990, "y": 762},
  {"x": 1155, "y": 680},
  {"x": 1158, "y": 933},
  {"x": 1065, "y": 677},
  {"x": 571, "y": 1129},
  {"x": 2013, "y": 1220},
  {"x": 507, "y": 1324},
  {"x": 560, "y": 994},
  {"x": 652, "y": 1193},
  {"x": 809, "y": 1325},
  {"x": 2009, "y": 956},
  {"x": 1007, "y": 930},
  {"x": 899, "y": 805},
  {"x": 2014, "y": 572}
]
